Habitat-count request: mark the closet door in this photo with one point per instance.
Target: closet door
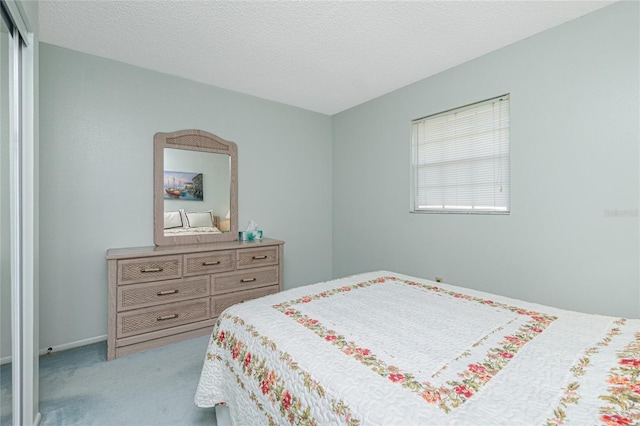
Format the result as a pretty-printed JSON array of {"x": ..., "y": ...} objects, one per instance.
[
  {"x": 18, "y": 329},
  {"x": 5, "y": 243}
]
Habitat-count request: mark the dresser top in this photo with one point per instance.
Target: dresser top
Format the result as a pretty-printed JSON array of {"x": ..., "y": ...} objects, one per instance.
[{"x": 128, "y": 252}]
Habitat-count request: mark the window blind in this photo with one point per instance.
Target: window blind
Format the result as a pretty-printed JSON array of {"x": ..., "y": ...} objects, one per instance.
[{"x": 461, "y": 159}]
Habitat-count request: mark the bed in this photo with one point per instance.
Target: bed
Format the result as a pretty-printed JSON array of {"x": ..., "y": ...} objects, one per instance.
[
  {"x": 182, "y": 223},
  {"x": 383, "y": 348},
  {"x": 192, "y": 231}
]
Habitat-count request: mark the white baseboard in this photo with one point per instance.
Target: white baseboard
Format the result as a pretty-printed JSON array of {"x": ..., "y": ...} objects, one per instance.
[
  {"x": 58, "y": 348},
  {"x": 75, "y": 344}
]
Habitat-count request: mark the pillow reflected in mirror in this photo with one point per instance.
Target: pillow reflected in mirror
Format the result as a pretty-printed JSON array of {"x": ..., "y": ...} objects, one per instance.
[
  {"x": 200, "y": 220},
  {"x": 172, "y": 220}
]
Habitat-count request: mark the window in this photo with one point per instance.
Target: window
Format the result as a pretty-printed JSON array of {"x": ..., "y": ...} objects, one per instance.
[{"x": 460, "y": 159}]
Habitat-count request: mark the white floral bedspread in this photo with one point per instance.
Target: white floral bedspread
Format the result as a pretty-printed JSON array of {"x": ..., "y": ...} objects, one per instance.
[
  {"x": 385, "y": 348},
  {"x": 191, "y": 231}
]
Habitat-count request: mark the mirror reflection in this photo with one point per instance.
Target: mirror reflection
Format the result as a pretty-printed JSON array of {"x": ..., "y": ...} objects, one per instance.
[
  {"x": 196, "y": 192},
  {"x": 196, "y": 201}
]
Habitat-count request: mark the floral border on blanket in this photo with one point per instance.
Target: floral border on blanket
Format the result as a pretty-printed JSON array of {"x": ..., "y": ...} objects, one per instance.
[
  {"x": 455, "y": 392},
  {"x": 271, "y": 385},
  {"x": 624, "y": 392},
  {"x": 571, "y": 394}
]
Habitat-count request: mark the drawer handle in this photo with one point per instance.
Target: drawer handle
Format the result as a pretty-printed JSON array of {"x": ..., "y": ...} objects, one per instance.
[
  {"x": 210, "y": 263},
  {"x": 167, "y": 317},
  {"x": 247, "y": 280},
  {"x": 259, "y": 257},
  {"x": 156, "y": 269},
  {"x": 167, "y": 292}
]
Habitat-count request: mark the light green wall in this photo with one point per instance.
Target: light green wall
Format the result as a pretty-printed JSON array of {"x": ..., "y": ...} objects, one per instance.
[
  {"x": 575, "y": 107},
  {"x": 97, "y": 121},
  {"x": 574, "y": 154}
]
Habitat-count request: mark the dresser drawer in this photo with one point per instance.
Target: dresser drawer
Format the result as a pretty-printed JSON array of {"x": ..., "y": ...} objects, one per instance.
[
  {"x": 156, "y": 293},
  {"x": 250, "y": 258},
  {"x": 244, "y": 280},
  {"x": 132, "y": 271},
  {"x": 209, "y": 262},
  {"x": 158, "y": 318},
  {"x": 220, "y": 303}
]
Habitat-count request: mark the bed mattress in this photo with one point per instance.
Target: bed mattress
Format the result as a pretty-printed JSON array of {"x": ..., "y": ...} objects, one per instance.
[
  {"x": 181, "y": 232},
  {"x": 384, "y": 348}
]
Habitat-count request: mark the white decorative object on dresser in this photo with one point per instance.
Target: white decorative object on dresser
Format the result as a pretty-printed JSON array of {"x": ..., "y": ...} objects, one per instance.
[{"x": 161, "y": 295}]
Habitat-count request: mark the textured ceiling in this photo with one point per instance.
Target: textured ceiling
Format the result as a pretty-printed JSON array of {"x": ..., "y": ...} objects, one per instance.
[{"x": 325, "y": 56}]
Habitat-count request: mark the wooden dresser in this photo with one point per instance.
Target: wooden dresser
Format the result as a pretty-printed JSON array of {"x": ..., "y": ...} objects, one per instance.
[{"x": 160, "y": 295}]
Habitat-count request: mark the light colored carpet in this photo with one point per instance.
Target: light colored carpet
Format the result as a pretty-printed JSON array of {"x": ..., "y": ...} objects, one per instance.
[{"x": 155, "y": 387}]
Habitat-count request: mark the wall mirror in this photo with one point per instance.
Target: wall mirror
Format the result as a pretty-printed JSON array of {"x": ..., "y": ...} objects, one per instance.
[{"x": 195, "y": 188}]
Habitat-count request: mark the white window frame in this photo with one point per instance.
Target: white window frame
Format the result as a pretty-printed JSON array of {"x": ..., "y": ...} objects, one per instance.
[{"x": 448, "y": 160}]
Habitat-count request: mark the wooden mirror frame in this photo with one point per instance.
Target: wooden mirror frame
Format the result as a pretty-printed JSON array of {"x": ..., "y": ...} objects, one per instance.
[{"x": 192, "y": 140}]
